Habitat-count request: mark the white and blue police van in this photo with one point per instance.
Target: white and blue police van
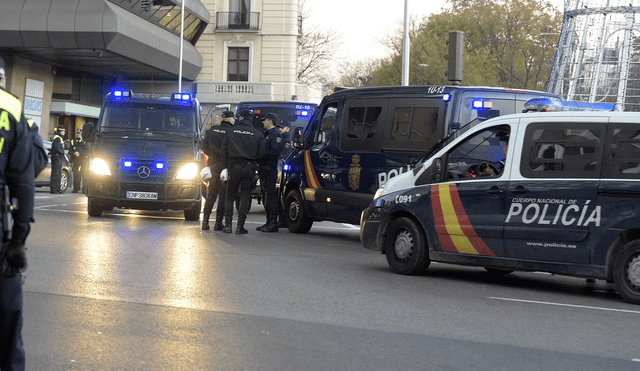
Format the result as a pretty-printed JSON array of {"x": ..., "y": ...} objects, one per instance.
[
  {"x": 557, "y": 192},
  {"x": 145, "y": 154},
  {"x": 358, "y": 139}
]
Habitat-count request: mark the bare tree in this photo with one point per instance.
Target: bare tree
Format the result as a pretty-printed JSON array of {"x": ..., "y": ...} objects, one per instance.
[
  {"x": 316, "y": 49},
  {"x": 357, "y": 74}
]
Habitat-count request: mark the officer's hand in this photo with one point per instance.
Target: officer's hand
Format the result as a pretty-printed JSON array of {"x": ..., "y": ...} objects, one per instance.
[
  {"x": 77, "y": 154},
  {"x": 224, "y": 175},
  {"x": 15, "y": 259}
]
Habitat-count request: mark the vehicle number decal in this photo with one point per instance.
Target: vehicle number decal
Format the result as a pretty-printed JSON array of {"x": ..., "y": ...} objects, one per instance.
[
  {"x": 435, "y": 89},
  {"x": 403, "y": 199}
]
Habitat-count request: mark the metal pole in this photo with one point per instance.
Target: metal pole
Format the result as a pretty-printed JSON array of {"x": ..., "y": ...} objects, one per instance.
[
  {"x": 405, "y": 46},
  {"x": 181, "y": 47}
]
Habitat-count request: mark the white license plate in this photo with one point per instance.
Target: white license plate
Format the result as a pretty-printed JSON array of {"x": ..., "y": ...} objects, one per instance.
[{"x": 142, "y": 195}]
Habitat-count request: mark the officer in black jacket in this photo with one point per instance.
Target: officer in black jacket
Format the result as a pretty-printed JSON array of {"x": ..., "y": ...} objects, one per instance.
[
  {"x": 58, "y": 152},
  {"x": 240, "y": 152},
  {"x": 212, "y": 146},
  {"x": 17, "y": 174},
  {"x": 272, "y": 145},
  {"x": 78, "y": 155}
]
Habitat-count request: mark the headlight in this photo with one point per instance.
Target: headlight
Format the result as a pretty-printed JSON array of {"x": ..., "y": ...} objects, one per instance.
[
  {"x": 188, "y": 171},
  {"x": 100, "y": 167},
  {"x": 379, "y": 192}
]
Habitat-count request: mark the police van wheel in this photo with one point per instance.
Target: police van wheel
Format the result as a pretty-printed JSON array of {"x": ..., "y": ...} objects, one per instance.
[
  {"x": 627, "y": 272},
  {"x": 406, "y": 248},
  {"x": 296, "y": 218},
  {"x": 93, "y": 208},
  {"x": 194, "y": 212},
  {"x": 64, "y": 181}
]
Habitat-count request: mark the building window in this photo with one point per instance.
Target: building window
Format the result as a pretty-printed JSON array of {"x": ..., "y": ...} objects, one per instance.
[
  {"x": 242, "y": 6},
  {"x": 238, "y": 64}
]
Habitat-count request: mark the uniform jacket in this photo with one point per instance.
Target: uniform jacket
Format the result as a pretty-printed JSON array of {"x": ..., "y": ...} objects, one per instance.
[
  {"x": 57, "y": 147},
  {"x": 77, "y": 145},
  {"x": 272, "y": 144},
  {"x": 16, "y": 162},
  {"x": 212, "y": 144},
  {"x": 242, "y": 143}
]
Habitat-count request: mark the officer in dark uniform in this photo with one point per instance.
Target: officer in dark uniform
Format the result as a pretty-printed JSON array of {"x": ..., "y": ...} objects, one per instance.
[
  {"x": 57, "y": 154},
  {"x": 78, "y": 155},
  {"x": 287, "y": 138},
  {"x": 17, "y": 174},
  {"x": 212, "y": 146},
  {"x": 240, "y": 152},
  {"x": 272, "y": 145}
]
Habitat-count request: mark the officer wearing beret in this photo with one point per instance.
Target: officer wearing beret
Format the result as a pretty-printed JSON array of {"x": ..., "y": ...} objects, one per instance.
[
  {"x": 58, "y": 152},
  {"x": 211, "y": 146},
  {"x": 272, "y": 145},
  {"x": 18, "y": 150},
  {"x": 240, "y": 151}
]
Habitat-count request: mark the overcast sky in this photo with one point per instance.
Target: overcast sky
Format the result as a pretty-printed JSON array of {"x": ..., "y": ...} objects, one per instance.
[{"x": 363, "y": 22}]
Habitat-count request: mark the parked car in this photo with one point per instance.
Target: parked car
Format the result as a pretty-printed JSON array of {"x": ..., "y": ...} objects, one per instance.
[{"x": 43, "y": 180}]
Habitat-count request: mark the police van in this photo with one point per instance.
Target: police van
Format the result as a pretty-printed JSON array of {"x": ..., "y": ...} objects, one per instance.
[
  {"x": 144, "y": 154},
  {"x": 296, "y": 114},
  {"x": 557, "y": 192},
  {"x": 359, "y": 138}
]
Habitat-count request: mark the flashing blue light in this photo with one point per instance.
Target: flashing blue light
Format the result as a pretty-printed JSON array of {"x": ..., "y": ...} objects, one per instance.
[
  {"x": 554, "y": 104},
  {"x": 183, "y": 97},
  {"x": 159, "y": 165},
  {"x": 304, "y": 113},
  {"x": 477, "y": 104},
  {"x": 482, "y": 104},
  {"x": 286, "y": 167},
  {"x": 120, "y": 94},
  {"x": 446, "y": 97},
  {"x": 127, "y": 163}
]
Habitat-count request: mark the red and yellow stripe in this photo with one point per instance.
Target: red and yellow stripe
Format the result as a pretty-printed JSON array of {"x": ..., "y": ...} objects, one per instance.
[
  {"x": 312, "y": 179},
  {"x": 455, "y": 232}
]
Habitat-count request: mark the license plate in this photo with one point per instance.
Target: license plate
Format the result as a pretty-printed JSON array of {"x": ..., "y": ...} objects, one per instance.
[{"x": 142, "y": 195}]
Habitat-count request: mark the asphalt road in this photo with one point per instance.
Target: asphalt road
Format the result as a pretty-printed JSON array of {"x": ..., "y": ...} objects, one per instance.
[{"x": 149, "y": 291}]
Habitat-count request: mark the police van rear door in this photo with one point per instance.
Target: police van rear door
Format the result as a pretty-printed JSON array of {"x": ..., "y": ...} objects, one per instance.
[{"x": 553, "y": 198}]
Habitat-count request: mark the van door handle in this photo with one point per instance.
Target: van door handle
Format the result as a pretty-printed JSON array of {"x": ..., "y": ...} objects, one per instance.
[
  {"x": 325, "y": 157},
  {"x": 494, "y": 191},
  {"x": 337, "y": 158},
  {"x": 519, "y": 190}
]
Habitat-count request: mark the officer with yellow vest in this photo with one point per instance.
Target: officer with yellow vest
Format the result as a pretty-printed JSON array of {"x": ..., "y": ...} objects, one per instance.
[
  {"x": 58, "y": 152},
  {"x": 77, "y": 159},
  {"x": 17, "y": 174}
]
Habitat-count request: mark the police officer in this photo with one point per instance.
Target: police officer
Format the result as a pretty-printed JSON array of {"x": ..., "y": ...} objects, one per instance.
[
  {"x": 272, "y": 144},
  {"x": 57, "y": 154},
  {"x": 78, "y": 155},
  {"x": 212, "y": 146},
  {"x": 240, "y": 151},
  {"x": 17, "y": 174}
]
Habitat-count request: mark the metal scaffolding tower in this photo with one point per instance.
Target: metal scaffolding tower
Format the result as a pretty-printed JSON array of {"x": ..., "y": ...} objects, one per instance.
[{"x": 597, "y": 59}]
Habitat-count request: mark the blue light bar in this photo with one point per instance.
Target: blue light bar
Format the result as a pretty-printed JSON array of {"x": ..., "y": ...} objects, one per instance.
[
  {"x": 554, "y": 105},
  {"x": 482, "y": 104},
  {"x": 446, "y": 97},
  {"x": 127, "y": 163},
  {"x": 159, "y": 165},
  {"x": 286, "y": 167},
  {"x": 121, "y": 94},
  {"x": 183, "y": 97}
]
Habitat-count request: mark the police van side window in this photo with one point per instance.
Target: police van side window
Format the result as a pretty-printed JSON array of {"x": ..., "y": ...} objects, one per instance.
[
  {"x": 561, "y": 150},
  {"x": 363, "y": 129},
  {"x": 414, "y": 124},
  {"x": 479, "y": 156},
  {"x": 327, "y": 122},
  {"x": 622, "y": 156}
]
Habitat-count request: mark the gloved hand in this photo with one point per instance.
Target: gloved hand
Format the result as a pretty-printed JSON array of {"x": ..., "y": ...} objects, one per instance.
[
  {"x": 205, "y": 173},
  {"x": 224, "y": 175},
  {"x": 14, "y": 260}
]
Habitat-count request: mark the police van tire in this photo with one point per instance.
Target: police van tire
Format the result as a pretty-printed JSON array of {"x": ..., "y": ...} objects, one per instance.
[
  {"x": 626, "y": 272},
  {"x": 93, "y": 209},
  {"x": 406, "y": 247},
  {"x": 295, "y": 215},
  {"x": 194, "y": 212},
  {"x": 64, "y": 181}
]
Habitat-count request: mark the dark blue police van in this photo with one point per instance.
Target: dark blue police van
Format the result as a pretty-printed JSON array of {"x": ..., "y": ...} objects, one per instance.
[
  {"x": 359, "y": 138},
  {"x": 144, "y": 154},
  {"x": 296, "y": 114}
]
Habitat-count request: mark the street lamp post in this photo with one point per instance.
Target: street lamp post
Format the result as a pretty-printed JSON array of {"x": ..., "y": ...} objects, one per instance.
[
  {"x": 405, "y": 46},
  {"x": 181, "y": 47}
]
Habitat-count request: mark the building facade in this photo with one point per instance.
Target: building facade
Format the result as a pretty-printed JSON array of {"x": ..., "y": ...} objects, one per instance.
[{"x": 64, "y": 56}]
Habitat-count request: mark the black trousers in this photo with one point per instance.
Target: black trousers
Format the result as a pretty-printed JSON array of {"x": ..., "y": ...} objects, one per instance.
[
  {"x": 268, "y": 177},
  {"x": 77, "y": 175},
  {"x": 215, "y": 190},
  {"x": 241, "y": 177},
  {"x": 56, "y": 173}
]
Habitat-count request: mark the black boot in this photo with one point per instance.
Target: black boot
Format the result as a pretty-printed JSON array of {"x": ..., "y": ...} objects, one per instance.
[
  {"x": 218, "y": 226},
  {"x": 227, "y": 228},
  {"x": 260, "y": 227},
  {"x": 240, "y": 228},
  {"x": 205, "y": 222},
  {"x": 272, "y": 225}
]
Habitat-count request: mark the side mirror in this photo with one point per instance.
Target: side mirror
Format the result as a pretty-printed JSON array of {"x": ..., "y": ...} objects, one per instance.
[
  {"x": 436, "y": 170},
  {"x": 297, "y": 138},
  {"x": 88, "y": 133}
]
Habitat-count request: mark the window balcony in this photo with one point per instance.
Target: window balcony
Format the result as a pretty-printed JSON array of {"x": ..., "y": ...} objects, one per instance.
[{"x": 234, "y": 21}]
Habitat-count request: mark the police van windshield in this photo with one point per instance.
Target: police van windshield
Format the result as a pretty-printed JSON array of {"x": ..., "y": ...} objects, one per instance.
[
  {"x": 298, "y": 118},
  {"x": 137, "y": 116}
]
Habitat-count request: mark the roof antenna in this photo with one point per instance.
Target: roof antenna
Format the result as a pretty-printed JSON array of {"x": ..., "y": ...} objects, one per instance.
[{"x": 153, "y": 87}]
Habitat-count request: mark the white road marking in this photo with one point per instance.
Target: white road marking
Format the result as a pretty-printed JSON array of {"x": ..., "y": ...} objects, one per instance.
[{"x": 567, "y": 305}]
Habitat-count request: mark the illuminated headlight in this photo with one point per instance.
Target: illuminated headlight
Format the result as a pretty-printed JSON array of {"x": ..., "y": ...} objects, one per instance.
[
  {"x": 100, "y": 167},
  {"x": 188, "y": 171},
  {"x": 379, "y": 192}
]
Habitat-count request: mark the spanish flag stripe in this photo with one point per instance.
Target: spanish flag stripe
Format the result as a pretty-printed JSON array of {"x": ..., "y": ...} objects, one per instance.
[
  {"x": 312, "y": 180},
  {"x": 446, "y": 244},
  {"x": 465, "y": 224},
  {"x": 461, "y": 241}
]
